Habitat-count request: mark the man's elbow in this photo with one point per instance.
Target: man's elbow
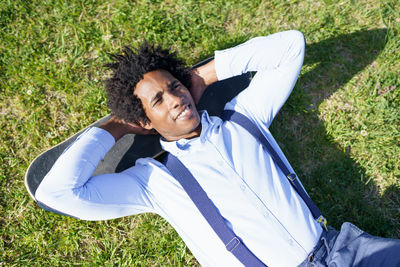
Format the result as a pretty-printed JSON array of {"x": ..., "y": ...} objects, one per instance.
[
  {"x": 50, "y": 192},
  {"x": 295, "y": 46},
  {"x": 55, "y": 202},
  {"x": 298, "y": 36},
  {"x": 298, "y": 41},
  {"x": 44, "y": 195}
]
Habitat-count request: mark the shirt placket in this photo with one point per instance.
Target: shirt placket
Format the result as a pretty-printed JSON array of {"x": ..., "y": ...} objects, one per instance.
[{"x": 262, "y": 208}]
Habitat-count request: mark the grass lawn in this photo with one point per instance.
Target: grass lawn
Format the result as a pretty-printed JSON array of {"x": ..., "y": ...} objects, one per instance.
[{"x": 340, "y": 128}]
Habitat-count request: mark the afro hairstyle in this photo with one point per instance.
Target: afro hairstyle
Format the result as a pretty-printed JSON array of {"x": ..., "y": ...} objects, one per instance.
[{"x": 128, "y": 69}]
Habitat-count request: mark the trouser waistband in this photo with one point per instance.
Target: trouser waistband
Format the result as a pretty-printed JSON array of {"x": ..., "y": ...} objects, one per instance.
[{"x": 317, "y": 257}]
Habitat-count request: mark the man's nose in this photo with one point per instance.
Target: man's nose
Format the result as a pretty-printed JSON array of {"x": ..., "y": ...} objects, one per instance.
[{"x": 174, "y": 100}]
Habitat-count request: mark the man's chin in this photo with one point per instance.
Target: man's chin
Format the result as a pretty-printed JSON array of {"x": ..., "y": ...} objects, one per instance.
[
  {"x": 193, "y": 131},
  {"x": 184, "y": 132}
]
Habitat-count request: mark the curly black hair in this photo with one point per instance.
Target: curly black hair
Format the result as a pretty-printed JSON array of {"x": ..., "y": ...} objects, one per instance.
[{"x": 128, "y": 69}]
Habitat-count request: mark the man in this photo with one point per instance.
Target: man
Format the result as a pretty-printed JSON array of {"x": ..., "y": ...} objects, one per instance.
[{"x": 151, "y": 90}]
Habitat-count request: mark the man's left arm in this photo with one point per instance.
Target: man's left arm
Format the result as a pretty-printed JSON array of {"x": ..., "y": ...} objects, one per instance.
[
  {"x": 276, "y": 58},
  {"x": 202, "y": 77}
]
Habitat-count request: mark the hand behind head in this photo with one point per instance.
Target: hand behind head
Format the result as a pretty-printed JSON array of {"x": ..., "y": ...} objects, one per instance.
[{"x": 118, "y": 128}]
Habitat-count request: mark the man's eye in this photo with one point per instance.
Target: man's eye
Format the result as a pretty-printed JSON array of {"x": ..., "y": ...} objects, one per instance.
[
  {"x": 175, "y": 86},
  {"x": 158, "y": 101}
]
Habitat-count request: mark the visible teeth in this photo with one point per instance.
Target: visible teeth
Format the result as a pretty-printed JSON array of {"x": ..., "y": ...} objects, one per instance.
[{"x": 183, "y": 112}]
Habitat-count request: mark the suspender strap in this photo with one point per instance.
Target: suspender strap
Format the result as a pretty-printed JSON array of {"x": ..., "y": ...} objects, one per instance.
[
  {"x": 210, "y": 212},
  {"x": 253, "y": 130},
  {"x": 208, "y": 209}
]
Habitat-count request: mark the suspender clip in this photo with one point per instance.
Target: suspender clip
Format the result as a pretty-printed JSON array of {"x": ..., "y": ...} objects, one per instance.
[
  {"x": 232, "y": 244},
  {"x": 291, "y": 176},
  {"x": 323, "y": 222}
]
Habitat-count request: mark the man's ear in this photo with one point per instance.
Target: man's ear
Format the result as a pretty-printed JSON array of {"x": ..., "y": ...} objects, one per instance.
[{"x": 147, "y": 125}]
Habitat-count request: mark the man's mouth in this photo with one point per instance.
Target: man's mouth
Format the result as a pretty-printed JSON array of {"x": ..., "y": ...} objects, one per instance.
[{"x": 183, "y": 113}]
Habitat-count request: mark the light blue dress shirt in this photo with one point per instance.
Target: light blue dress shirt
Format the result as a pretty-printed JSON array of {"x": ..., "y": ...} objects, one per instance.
[{"x": 235, "y": 171}]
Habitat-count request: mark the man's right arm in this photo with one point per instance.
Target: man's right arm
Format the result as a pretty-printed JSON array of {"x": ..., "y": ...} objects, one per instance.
[
  {"x": 118, "y": 128},
  {"x": 70, "y": 188}
]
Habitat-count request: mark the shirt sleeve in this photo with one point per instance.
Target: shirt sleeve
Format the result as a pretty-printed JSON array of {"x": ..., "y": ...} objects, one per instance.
[
  {"x": 70, "y": 188},
  {"x": 277, "y": 61}
]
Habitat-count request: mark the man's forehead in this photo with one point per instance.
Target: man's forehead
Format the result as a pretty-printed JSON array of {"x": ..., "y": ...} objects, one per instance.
[
  {"x": 152, "y": 82},
  {"x": 157, "y": 76}
]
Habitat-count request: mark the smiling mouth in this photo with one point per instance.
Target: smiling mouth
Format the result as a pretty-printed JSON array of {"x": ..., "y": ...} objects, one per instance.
[{"x": 183, "y": 112}]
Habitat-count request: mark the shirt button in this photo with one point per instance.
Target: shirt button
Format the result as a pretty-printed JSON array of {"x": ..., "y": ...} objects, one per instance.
[
  {"x": 242, "y": 187},
  {"x": 290, "y": 242},
  {"x": 266, "y": 215}
]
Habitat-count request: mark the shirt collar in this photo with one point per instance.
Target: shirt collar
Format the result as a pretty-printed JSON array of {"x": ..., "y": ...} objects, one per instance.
[{"x": 175, "y": 147}]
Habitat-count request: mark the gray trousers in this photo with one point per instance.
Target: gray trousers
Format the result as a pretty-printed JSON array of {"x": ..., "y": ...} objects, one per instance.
[{"x": 353, "y": 247}]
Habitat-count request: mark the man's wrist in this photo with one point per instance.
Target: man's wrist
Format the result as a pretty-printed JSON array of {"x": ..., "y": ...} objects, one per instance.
[
  {"x": 116, "y": 127},
  {"x": 202, "y": 77},
  {"x": 207, "y": 73}
]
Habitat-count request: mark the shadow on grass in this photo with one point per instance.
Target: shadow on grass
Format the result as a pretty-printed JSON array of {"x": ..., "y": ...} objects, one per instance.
[{"x": 337, "y": 184}]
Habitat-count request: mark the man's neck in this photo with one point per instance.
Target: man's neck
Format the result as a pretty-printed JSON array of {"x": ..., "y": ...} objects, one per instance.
[{"x": 193, "y": 134}]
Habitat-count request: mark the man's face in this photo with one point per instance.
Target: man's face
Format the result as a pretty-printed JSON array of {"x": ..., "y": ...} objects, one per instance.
[{"x": 169, "y": 106}]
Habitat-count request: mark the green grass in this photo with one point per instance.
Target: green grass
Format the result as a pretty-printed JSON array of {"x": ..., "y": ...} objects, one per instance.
[{"x": 340, "y": 128}]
